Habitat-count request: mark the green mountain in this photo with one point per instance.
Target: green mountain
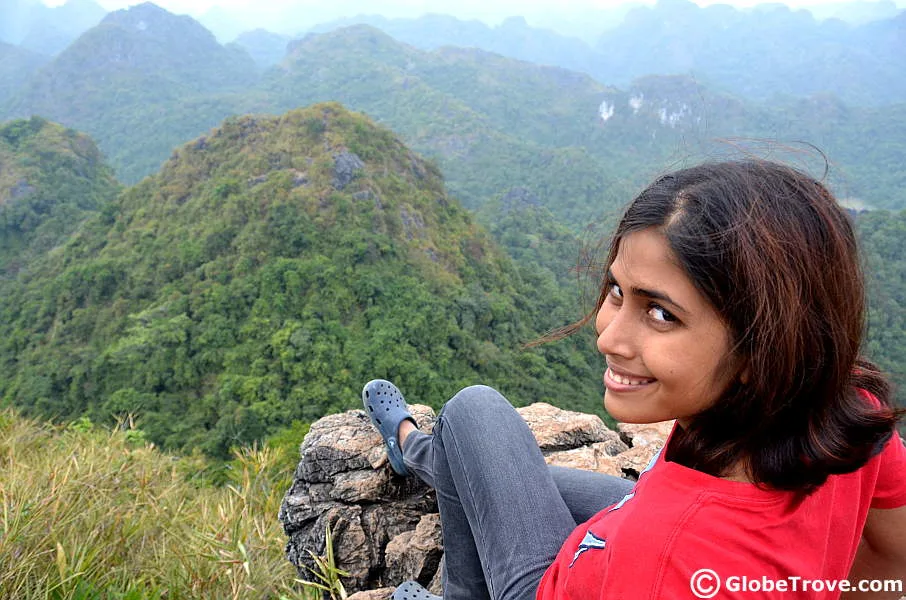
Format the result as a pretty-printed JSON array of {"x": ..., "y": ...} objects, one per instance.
[
  {"x": 52, "y": 29},
  {"x": 494, "y": 123},
  {"x": 756, "y": 53},
  {"x": 267, "y": 271},
  {"x": 45, "y": 30},
  {"x": 141, "y": 82},
  {"x": 491, "y": 123},
  {"x": 16, "y": 66},
  {"x": 51, "y": 180},
  {"x": 513, "y": 38},
  {"x": 266, "y": 49}
]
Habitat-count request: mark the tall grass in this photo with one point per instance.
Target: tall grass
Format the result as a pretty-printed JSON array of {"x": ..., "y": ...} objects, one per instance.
[{"x": 86, "y": 513}]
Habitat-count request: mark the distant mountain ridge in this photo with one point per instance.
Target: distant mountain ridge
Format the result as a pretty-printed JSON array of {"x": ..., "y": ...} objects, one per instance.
[
  {"x": 16, "y": 66},
  {"x": 141, "y": 71},
  {"x": 756, "y": 53},
  {"x": 45, "y": 30},
  {"x": 145, "y": 81},
  {"x": 268, "y": 269},
  {"x": 513, "y": 38},
  {"x": 760, "y": 53}
]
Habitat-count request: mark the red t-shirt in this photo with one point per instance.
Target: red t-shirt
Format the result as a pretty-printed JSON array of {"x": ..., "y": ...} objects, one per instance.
[{"x": 677, "y": 521}]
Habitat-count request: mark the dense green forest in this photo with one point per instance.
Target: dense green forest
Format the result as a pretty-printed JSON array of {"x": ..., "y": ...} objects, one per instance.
[
  {"x": 276, "y": 264},
  {"x": 51, "y": 179},
  {"x": 883, "y": 239},
  {"x": 263, "y": 275}
]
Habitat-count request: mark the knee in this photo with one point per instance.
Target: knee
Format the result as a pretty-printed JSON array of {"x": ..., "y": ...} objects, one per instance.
[{"x": 475, "y": 402}]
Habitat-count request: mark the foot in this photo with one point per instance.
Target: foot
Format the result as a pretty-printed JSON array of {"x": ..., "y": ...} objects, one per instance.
[
  {"x": 387, "y": 409},
  {"x": 411, "y": 590}
]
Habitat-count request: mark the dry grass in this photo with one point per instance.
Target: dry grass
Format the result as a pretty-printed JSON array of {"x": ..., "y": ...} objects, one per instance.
[{"x": 98, "y": 514}]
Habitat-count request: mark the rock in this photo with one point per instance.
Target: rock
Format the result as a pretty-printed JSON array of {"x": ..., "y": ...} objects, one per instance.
[
  {"x": 595, "y": 457},
  {"x": 557, "y": 429},
  {"x": 413, "y": 224},
  {"x": 20, "y": 190},
  {"x": 646, "y": 440},
  {"x": 635, "y": 434},
  {"x": 386, "y": 528},
  {"x": 345, "y": 165},
  {"x": 437, "y": 586},
  {"x": 379, "y": 594},
  {"x": 415, "y": 554},
  {"x": 299, "y": 178}
]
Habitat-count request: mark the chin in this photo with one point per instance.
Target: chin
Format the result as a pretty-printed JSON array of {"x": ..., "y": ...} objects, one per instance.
[{"x": 618, "y": 410}]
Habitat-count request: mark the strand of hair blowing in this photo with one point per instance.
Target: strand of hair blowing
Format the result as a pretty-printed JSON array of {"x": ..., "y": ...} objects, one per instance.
[{"x": 776, "y": 255}]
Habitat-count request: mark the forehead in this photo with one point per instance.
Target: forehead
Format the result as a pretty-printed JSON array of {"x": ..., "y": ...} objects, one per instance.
[{"x": 644, "y": 260}]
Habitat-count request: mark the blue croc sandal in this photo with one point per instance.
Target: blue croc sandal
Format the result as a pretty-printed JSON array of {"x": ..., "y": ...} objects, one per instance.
[
  {"x": 386, "y": 407},
  {"x": 411, "y": 590}
]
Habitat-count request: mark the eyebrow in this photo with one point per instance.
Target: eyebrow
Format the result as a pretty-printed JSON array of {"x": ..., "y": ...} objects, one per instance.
[{"x": 645, "y": 293}]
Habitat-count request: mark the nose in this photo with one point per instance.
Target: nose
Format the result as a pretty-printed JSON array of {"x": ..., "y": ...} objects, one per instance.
[{"x": 614, "y": 332}]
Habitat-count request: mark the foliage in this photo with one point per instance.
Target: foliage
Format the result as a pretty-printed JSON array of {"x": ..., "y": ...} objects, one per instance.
[
  {"x": 883, "y": 239},
  {"x": 140, "y": 83},
  {"x": 327, "y": 575},
  {"x": 246, "y": 287},
  {"x": 114, "y": 519},
  {"x": 51, "y": 179}
]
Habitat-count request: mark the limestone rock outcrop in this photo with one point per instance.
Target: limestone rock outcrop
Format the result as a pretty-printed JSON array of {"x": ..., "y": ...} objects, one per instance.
[{"x": 385, "y": 527}]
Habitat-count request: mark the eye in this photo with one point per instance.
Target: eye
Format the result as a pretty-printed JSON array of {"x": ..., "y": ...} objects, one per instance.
[
  {"x": 615, "y": 290},
  {"x": 661, "y": 314}
]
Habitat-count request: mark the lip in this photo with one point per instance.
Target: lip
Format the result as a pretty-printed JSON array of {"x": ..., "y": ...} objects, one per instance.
[{"x": 615, "y": 386}]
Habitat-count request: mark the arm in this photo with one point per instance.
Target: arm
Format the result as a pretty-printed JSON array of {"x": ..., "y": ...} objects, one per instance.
[{"x": 882, "y": 553}]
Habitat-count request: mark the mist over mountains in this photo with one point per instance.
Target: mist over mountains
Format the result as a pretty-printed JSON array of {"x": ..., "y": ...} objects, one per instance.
[
  {"x": 45, "y": 30},
  {"x": 761, "y": 53},
  {"x": 850, "y": 50},
  {"x": 144, "y": 80}
]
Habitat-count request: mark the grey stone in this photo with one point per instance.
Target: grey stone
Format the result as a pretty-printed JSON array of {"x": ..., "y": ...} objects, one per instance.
[{"x": 345, "y": 166}]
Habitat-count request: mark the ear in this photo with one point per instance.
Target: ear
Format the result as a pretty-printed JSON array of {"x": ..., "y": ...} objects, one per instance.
[{"x": 745, "y": 375}]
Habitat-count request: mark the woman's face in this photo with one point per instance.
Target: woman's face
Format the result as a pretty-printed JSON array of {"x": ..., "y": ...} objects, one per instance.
[{"x": 665, "y": 345}]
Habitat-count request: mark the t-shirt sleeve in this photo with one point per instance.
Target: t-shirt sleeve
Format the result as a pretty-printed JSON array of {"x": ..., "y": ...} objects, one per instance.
[{"x": 890, "y": 488}]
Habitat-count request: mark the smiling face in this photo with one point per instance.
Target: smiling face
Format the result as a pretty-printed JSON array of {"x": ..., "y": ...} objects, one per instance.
[{"x": 666, "y": 347}]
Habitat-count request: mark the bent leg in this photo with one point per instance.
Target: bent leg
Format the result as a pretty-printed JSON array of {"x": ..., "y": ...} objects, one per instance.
[
  {"x": 587, "y": 493},
  {"x": 500, "y": 507}
]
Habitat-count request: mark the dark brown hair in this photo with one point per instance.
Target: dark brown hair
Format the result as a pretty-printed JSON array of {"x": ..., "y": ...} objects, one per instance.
[{"x": 777, "y": 257}]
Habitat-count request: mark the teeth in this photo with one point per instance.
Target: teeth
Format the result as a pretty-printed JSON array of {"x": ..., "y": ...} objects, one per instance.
[{"x": 627, "y": 380}]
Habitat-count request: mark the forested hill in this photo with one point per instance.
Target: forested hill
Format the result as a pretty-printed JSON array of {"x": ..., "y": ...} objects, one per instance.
[
  {"x": 16, "y": 65},
  {"x": 141, "y": 82},
  {"x": 267, "y": 271},
  {"x": 145, "y": 81},
  {"x": 51, "y": 178}
]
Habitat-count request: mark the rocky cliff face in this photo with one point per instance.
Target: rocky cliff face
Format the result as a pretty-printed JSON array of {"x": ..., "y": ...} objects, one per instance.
[{"x": 386, "y": 528}]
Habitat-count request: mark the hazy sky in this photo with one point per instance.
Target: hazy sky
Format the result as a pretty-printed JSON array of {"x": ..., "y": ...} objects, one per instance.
[
  {"x": 290, "y": 17},
  {"x": 514, "y": 6}
]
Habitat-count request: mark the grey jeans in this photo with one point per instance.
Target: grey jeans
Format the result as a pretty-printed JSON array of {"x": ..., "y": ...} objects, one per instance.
[{"x": 504, "y": 513}]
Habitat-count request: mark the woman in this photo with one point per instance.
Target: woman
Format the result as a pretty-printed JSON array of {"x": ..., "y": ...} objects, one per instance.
[{"x": 733, "y": 303}]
